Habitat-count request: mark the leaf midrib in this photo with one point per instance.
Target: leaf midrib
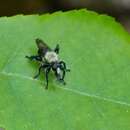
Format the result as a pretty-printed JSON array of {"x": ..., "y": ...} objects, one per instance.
[{"x": 16, "y": 75}]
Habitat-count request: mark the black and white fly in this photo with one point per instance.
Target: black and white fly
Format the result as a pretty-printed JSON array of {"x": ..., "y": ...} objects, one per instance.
[{"x": 49, "y": 60}]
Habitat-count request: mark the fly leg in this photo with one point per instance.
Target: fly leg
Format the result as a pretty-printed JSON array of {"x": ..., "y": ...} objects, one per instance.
[
  {"x": 63, "y": 75},
  {"x": 64, "y": 66},
  {"x": 37, "y": 58},
  {"x": 39, "y": 71},
  {"x": 47, "y": 70}
]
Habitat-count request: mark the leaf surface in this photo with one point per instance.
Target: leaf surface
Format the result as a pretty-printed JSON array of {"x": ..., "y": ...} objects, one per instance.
[{"x": 97, "y": 94}]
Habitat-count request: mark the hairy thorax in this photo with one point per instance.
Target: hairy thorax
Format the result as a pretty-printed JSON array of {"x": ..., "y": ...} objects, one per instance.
[{"x": 51, "y": 57}]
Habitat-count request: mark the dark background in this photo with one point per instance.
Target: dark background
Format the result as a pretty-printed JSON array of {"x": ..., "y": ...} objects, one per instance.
[{"x": 120, "y": 9}]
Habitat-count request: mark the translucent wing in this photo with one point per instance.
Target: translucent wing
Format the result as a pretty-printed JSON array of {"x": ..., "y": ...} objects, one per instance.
[
  {"x": 41, "y": 44},
  {"x": 42, "y": 47}
]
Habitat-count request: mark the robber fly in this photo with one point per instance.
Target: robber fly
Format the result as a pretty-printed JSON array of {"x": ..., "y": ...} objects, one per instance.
[{"x": 49, "y": 60}]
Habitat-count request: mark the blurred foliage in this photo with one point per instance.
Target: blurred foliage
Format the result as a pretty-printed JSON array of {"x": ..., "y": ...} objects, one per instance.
[
  {"x": 13, "y": 7},
  {"x": 120, "y": 9}
]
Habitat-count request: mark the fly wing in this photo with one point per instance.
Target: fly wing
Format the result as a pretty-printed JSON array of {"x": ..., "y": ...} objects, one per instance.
[
  {"x": 41, "y": 44},
  {"x": 42, "y": 47}
]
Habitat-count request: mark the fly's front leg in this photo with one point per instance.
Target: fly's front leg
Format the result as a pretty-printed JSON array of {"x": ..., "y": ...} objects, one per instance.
[
  {"x": 64, "y": 66},
  {"x": 63, "y": 75},
  {"x": 37, "y": 58}
]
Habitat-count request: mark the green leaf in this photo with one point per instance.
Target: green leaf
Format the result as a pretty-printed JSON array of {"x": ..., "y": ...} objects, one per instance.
[{"x": 97, "y": 94}]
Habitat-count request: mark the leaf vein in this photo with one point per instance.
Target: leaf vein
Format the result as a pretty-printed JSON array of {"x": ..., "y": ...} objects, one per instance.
[{"x": 68, "y": 89}]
